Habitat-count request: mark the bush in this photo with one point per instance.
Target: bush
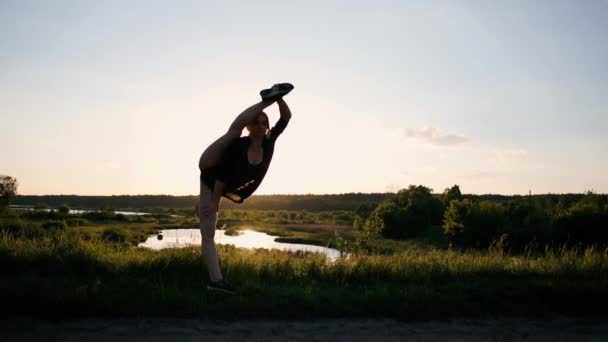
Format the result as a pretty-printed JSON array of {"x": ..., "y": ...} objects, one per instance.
[
  {"x": 99, "y": 215},
  {"x": 42, "y": 215},
  {"x": 410, "y": 212},
  {"x": 474, "y": 224},
  {"x": 528, "y": 224},
  {"x": 76, "y": 222},
  {"x": 26, "y": 230},
  {"x": 393, "y": 222},
  {"x": 359, "y": 223},
  {"x": 584, "y": 223},
  {"x": 116, "y": 235},
  {"x": 54, "y": 225},
  {"x": 420, "y": 202},
  {"x": 454, "y": 218},
  {"x": 64, "y": 210}
]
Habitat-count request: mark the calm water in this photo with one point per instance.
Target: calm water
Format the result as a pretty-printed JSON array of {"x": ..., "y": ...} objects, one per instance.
[
  {"x": 247, "y": 239},
  {"x": 78, "y": 211}
]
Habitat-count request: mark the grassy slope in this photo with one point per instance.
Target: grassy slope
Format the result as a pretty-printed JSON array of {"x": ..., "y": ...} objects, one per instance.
[{"x": 67, "y": 276}]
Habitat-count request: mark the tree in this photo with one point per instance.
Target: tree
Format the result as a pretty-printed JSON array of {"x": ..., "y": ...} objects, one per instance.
[
  {"x": 474, "y": 224},
  {"x": 8, "y": 190},
  {"x": 450, "y": 194},
  {"x": 410, "y": 212},
  {"x": 64, "y": 210}
]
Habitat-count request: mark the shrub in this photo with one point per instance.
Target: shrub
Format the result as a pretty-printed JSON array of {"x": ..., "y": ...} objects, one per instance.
[
  {"x": 26, "y": 230},
  {"x": 528, "y": 223},
  {"x": 99, "y": 215},
  {"x": 404, "y": 216},
  {"x": 115, "y": 234},
  {"x": 383, "y": 218},
  {"x": 54, "y": 225},
  {"x": 584, "y": 223},
  {"x": 76, "y": 222},
  {"x": 64, "y": 210},
  {"x": 474, "y": 224}
]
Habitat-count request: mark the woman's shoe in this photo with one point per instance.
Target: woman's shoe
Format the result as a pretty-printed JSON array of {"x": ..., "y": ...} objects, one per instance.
[
  {"x": 221, "y": 286},
  {"x": 276, "y": 92}
]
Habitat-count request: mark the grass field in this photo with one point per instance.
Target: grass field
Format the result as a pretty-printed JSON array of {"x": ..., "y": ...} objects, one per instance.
[{"x": 76, "y": 272}]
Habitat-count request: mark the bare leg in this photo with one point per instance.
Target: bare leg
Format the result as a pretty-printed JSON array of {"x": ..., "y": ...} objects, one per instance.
[
  {"x": 207, "y": 227},
  {"x": 213, "y": 153}
]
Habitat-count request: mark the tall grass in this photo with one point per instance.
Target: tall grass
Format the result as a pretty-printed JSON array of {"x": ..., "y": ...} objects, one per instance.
[{"x": 67, "y": 275}]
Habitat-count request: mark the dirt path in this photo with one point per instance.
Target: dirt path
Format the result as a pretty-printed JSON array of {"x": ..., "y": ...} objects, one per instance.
[{"x": 321, "y": 330}]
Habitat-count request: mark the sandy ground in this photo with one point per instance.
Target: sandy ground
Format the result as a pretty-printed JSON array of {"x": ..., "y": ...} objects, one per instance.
[{"x": 320, "y": 330}]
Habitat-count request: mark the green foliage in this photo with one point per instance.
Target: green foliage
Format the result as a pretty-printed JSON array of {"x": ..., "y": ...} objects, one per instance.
[
  {"x": 54, "y": 225},
  {"x": 455, "y": 216},
  {"x": 410, "y": 212},
  {"x": 585, "y": 222},
  {"x": 71, "y": 276},
  {"x": 40, "y": 206},
  {"x": 8, "y": 190},
  {"x": 361, "y": 215},
  {"x": 77, "y": 222},
  {"x": 383, "y": 218},
  {"x": 103, "y": 216},
  {"x": 528, "y": 223},
  {"x": 42, "y": 215},
  {"x": 20, "y": 229},
  {"x": 235, "y": 216},
  {"x": 115, "y": 234},
  {"x": 453, "y": 193},
  {"x": 475, "y": 224},
  {"x": 184, "y": 205},
  {"x": 64, "y": 210},
  {"x": 359, "y": 223}
]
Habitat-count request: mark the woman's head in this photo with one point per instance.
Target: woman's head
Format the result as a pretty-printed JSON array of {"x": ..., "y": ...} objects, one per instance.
[{"x": 259, "y": 127}]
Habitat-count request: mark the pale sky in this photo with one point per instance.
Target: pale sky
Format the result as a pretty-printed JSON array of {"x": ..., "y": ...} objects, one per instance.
[{"x": 122, "y": 97}]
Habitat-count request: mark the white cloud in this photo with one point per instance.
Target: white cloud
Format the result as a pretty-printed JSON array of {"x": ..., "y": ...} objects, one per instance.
[{"x": 435, "y": 136}]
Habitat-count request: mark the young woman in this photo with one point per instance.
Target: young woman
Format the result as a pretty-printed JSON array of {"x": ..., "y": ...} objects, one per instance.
[{"x": 234, "y": 166}]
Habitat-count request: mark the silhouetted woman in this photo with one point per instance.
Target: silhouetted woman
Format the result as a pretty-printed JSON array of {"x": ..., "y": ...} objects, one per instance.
[{"x": 234, "y": 166}]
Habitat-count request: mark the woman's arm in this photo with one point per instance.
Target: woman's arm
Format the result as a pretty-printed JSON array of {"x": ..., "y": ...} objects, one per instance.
[
  {"x": 246, "y": 117},
  {"x": 284, "y": 109}
]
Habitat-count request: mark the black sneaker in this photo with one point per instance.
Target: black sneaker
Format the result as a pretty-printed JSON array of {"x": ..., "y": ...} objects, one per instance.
[
  {"x": 221, "y": 286},
  {"x": 276, "y": 92}
]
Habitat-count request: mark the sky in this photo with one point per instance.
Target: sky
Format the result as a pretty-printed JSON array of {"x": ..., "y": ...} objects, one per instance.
[{"x": 117, "y": 97}]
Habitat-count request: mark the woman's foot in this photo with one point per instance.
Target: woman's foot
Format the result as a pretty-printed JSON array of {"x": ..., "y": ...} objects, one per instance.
[
  {"x": 221, "y": 286},
  {"x": 276, "y": 92}
]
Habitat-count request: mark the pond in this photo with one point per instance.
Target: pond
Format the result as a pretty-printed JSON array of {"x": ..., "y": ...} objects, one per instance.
[{"x": 247, "y": 239}]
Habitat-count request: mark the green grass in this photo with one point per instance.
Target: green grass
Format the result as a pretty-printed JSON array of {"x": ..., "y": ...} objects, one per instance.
[
  {"x": 66, "y": 275},
  {"x": 79, "y": 271}
]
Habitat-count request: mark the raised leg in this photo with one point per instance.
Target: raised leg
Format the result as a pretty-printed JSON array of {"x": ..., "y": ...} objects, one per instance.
[{"x": 213, "y": 153}]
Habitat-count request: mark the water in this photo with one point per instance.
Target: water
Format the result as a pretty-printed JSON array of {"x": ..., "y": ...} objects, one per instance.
[
  {"x": 79, "y": 211},
  {"x": 247, "y": 239}
]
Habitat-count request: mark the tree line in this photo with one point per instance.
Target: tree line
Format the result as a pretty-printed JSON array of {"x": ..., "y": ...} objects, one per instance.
[
  {"x": 511, "y": 222},
  {"x": 349, "y": 201}
]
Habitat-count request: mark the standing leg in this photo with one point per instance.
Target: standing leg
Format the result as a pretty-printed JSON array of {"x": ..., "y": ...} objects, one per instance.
[{"x": 207, "y": 227}]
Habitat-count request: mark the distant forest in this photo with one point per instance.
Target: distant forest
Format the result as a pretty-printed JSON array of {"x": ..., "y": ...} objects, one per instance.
[
  {"x": 261, "y": 202},
  {"x": 349, "y": 201}
]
